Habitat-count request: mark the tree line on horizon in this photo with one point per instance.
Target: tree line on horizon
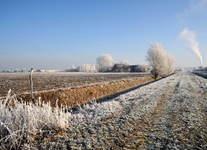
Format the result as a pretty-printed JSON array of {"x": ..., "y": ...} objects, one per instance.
[
  {"x": 105, "y": 63},
  {"x": 159, "y": 63}
]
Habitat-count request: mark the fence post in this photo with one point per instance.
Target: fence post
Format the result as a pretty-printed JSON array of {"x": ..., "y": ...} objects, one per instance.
[{"x": 31, "y": 86}]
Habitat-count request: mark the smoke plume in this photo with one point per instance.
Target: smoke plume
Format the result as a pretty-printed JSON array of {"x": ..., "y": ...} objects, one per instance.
[{"x": 192, "y": 44}]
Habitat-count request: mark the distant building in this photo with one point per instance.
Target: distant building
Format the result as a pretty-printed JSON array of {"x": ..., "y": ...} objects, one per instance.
[
  {"x": 120, "y": 68},
  {"x": 71, "y": 70},
  {"x": 133, "y": 68},
  {"x": 130, "y": 68}
]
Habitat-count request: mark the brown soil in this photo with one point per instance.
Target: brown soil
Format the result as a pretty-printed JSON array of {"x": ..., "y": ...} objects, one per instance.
[{"x": 81, "y": 95}]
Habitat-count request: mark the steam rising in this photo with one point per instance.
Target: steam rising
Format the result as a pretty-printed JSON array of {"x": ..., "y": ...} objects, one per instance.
[{"x": 193, "y": 45}]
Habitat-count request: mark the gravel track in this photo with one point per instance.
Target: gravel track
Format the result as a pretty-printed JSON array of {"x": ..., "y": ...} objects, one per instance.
[{"x": 168, "y": 114}]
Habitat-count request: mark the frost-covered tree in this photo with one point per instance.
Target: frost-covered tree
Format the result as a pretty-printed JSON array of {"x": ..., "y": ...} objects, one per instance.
[
  {"x": 104, "y": 62},
  {"x": 124, "y": 62},
  {"x": 94, "y": 68},
  {"x": 170, "y": 64},
  {"x": 87, "y": 68},
  {"x": 72, "y": 67},
  {"x": 155, "y": 58},
  {"x": 161, "y": 62}
]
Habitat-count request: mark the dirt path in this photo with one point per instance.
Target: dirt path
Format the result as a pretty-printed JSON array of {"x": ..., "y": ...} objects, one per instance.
[
  {"x": 168, "y": 114},
  {"x": 179, "y": 120}
]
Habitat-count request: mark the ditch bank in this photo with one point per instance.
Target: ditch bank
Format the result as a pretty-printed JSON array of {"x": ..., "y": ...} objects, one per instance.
[
  {"x": 114, "y": 95},
  {"x": 81, "y": 95}
]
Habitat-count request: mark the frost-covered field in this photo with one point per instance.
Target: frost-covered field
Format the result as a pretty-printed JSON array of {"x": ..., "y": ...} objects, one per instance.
[
  {"x": 167, "y": 114},
  {"x": 19, "y": 82}
]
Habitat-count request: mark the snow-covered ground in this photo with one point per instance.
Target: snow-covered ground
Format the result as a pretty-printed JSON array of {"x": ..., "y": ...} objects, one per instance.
[{"x": 167, "y": 114}]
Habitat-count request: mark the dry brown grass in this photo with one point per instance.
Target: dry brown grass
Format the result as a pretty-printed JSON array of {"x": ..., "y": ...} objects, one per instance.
[{"x": 72, "y": 97}]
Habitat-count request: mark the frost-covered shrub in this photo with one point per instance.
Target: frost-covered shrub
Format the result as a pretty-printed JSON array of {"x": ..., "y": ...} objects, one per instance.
[{"x": 161, "y": 62}]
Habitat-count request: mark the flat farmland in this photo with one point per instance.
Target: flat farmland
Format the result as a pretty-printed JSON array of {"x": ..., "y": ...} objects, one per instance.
[
  {"x": 19, "y": 82},
  {"x": 169, "y": 113}
]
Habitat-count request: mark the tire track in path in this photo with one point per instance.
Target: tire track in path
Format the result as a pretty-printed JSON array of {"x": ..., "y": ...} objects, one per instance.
[{"x": 180, "y": 119}]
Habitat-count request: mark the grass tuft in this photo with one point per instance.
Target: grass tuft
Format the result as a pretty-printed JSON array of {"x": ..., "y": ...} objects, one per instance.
[{"x": 21, "y": 121}]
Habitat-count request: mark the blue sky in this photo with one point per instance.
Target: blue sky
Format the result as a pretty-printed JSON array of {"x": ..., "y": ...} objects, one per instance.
[{"x": 57, "y": 34}]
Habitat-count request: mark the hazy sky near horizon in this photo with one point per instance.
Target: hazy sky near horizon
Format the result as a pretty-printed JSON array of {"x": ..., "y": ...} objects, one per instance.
[{"x": 53, "y": 34}]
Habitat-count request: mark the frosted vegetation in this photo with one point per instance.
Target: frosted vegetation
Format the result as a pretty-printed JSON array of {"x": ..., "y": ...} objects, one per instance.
[
  {"x": 104, "y": 62},
  {"x": 124, "y": 62},
  {"x": 21, "y": 122},
  {"x": 87, "y": 68},
  {"x": 162, "y": 63}
]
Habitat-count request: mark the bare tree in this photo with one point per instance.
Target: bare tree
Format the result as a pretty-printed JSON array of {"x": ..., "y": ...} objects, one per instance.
[
  {"x": 104, "y": 62},
  {"x": 161, "y": 62}
]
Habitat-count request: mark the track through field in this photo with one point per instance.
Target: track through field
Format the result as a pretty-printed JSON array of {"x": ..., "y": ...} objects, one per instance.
[{"x": 167, "y": 114}]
